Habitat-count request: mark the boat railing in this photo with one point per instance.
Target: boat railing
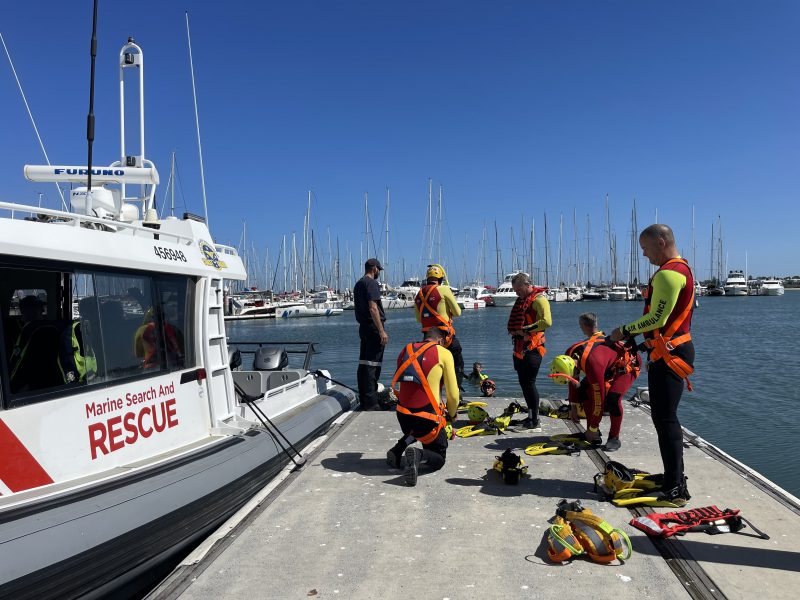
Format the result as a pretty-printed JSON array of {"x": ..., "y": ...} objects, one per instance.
[
  {"x": 76, "y": 220},
  {"x": 308, "y": 351}
]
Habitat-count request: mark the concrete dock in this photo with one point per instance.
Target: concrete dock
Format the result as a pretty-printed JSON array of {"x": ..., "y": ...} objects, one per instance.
[{"x": 347, "y": 526}]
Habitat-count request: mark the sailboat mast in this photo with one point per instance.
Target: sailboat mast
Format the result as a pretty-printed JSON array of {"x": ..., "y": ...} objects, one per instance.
[
  {"x": 386, "y": 251},
  {"x": 499, "y": 266},
  {"x": 546, "y": 254}
]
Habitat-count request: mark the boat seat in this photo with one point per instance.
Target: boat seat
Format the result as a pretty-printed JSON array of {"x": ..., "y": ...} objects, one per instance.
[{"x": 257, "y": 383}]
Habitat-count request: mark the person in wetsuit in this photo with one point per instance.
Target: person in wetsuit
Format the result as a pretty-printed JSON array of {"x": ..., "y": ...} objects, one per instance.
[
  {"x": 610, "y": 368},
  {"x": 665, "y": 325},
  {"x": 423, "y": 368},
  {"x": 437, "y": 307},
  {"x": 529, "y": 318}
]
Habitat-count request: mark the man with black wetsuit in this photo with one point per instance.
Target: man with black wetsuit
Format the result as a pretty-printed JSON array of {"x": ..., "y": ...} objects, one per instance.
[
  {"x": 370, "y": 317},
  {"x": 665, "y": 324}
]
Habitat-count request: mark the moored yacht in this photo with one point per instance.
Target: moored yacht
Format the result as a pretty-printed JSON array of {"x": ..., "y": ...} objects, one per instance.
[
  {"x": 505, "y": 294},
  {"x": 771, "y": 287},
  {"x": 129, "y": 434},
  {"x": 735, "y": 284}
]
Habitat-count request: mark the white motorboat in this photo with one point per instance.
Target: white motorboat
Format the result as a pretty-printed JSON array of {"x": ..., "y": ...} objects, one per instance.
[
  {"x": 591, "y": 294},
  {"x": 771, "y": 287},
  {"x": 410, "y": 287},
  {"x": 396, "y": 300},
  {"x": 144, "y": 436},
  {"x": 474, "y": 295},
  {"x": 574, "y": 293},
  {"x": 252, "y": 304},
  {"x": 505, "y": 294},
  {"x": 618, "y": 292},
  {"x": 735, "y": 284},
  {"x": 557, "y": 295}
]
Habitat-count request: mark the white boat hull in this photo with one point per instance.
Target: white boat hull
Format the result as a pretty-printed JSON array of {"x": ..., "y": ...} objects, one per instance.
[{"x": 296, "y": 312}]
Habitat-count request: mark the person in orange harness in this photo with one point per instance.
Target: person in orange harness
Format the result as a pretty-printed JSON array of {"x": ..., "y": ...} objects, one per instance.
[
  {"x": 611, "y": 369},
  {"x": 665, "y": 325},
  {"x": 436, "y": 307},
  {"x": 529, "y": 318},
  {"x": 422, "y": 369}
]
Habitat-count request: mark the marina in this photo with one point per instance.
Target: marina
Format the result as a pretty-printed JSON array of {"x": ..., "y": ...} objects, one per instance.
[{"x": 180, "y": 415}]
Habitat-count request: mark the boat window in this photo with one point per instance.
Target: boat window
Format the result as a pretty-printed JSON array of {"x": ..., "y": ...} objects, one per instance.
[{"x": 68, "y": 328}]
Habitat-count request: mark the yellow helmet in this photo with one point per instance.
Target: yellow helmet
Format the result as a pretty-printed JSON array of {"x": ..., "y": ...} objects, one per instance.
[
  {"x": 436, "y": 271},
  {"x": 476, "y": 414},
  {"x": 562, "y": 368}
]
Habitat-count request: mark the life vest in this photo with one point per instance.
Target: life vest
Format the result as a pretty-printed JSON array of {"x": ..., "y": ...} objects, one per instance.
[
  {"x": 79, "y": 363},
  {"x": 626, "y": 361},
  {"x": 415, "y": 377},
  {"x": 520, "y": 311},
  {"x": 427, "y": 302},
  {"x": 577, "y": 531},
  {"x": 708, "y": 519},
  {"x": 146, "y": 346},
  {"x": 675, "y": 332}
]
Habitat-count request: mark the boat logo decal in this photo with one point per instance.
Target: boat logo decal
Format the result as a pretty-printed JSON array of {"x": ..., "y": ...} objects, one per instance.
[{"x": 210, "y": 256}]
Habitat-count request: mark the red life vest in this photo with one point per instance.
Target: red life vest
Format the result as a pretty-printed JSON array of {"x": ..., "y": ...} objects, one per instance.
[
  {"x": 413, "y": 365},
  {"x": 675, "y": 332},
  {"x": 427, "y": 301},
  {"x": 520, "y": 317},
  {"x": 678, "y": 523}
]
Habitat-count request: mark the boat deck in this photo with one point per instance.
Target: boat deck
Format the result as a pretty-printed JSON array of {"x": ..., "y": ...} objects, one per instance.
[{"x": 347, "y": 526}]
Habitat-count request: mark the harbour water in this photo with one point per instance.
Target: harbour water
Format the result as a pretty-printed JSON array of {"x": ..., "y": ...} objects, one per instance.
[{"x": 746, "y": 398}]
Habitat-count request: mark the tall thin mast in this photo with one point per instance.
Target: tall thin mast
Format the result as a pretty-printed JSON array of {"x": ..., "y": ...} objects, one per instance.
[{"x": 196, "y": 122}]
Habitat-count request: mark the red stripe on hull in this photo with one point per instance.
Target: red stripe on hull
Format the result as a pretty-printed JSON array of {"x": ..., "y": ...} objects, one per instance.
[{"x": 19, "y": 470}]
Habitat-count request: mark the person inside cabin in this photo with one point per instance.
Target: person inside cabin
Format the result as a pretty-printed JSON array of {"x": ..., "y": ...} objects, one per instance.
[
  {"x": 76, "y": 357},
  {"x": 34, "y": 356},
  {"x": 146, "y": 341}
]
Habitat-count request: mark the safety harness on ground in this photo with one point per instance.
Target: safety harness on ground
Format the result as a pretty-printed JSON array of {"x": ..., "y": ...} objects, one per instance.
[
  {"x": 662, "y": 343},
  {"x": 428, "y": 311},
  {"x": 576, "y": 531},
  {"x": 510, "y": 466},
  {"x": 410, "y": 371},
  {"x": 708, "y": 519}
]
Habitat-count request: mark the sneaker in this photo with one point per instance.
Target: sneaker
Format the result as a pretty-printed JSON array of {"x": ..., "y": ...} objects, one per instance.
[
  {"x": 679, "y": 495},
  {"x": 612, "y": 445},
  {"x": 530, "y": 425},
  {"x": 393, "y": 460},
  {"x": 413, "y": 456}
]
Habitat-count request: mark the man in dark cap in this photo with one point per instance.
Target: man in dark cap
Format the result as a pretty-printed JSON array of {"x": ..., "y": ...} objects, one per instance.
[{"x": 370, "y": 317}]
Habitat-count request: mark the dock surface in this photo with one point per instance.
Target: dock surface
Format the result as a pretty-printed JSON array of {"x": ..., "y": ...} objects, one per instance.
[{"x": 347, "y": 526}]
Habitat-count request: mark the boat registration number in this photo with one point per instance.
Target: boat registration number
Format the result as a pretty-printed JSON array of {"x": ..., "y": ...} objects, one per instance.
[{"x": 169, "y": 253}]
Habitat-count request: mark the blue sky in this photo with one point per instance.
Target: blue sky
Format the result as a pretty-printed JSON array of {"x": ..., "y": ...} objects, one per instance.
[{"x": 516, "y": 109}]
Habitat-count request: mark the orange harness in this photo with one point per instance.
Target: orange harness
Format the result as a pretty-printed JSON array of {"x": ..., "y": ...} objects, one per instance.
[
  {"x": 625, "y": 363},
  {"x": 437, "y": 416},
  {"x": 444, "y": 324},
  {"x": 661, "y": 344}
]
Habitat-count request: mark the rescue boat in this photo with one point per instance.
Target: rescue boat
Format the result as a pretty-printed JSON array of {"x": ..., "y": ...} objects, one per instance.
[{"x": 126, "y": 430}]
